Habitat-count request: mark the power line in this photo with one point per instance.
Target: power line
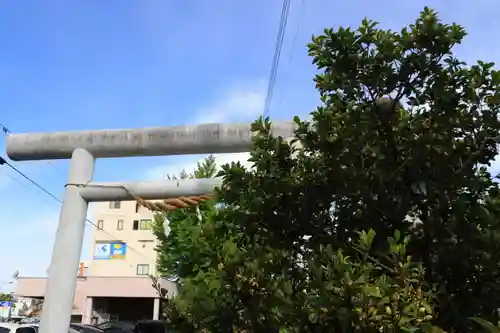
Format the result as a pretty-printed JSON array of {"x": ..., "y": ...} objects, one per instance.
[
  {"x": 4, "y": 162},
  {"x": 53, "y": 196},
  {"x": 285, "y": 9},
  {"x": 7, "y": 132},
  {"x": 13, "y": 178},
  {"x": 301, "y": 12}
]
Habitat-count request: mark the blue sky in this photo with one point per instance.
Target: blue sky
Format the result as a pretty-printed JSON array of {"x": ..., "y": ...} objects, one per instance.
[{"x": 75, "y": 65}]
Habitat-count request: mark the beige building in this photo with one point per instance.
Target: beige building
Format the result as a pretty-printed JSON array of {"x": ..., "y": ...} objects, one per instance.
[
  {"x": 114, "y": 284},
  {"x": 127, "y": 223}
]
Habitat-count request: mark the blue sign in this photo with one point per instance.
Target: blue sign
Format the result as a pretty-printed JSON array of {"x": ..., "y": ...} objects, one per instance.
[
  {"x": 5, "y": 304},
  {"x": 114, "y": 250},
  {"x": 118, "y": 250}
]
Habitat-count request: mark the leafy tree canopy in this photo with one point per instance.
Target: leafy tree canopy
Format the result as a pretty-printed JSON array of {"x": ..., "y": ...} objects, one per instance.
[
  {"x": 6, "y": 297},
  {"x": 175, "y": 253},
  {"x": 386, "y": 218}
]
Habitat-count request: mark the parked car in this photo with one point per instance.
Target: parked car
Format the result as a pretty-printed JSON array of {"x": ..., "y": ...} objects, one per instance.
[
  {"x": 152, "y": 326},
  {"x": 17, "y": 328},
  {"x": 81, "y": 328},
  {"x": 140, "y": 326},
  {"x": 33, "y": 328},
  {"x": 116, "y": 326}
]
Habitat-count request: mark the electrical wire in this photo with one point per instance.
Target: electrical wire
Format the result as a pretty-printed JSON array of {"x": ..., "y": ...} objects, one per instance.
[
  {"x": 3, "y": 162},
  {"x": 301, "y": 12},
  {"x": 277, "y": 55},
  {"x": 7, "y": 132},
  {"x": 40, "y": 187},
  {"x": 13, "y": 178}
]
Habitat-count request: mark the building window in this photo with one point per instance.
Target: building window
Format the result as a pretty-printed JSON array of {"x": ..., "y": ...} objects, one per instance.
[
  {"x": 142, "y": 269},
  {"x": 145, "y": 224},
  {"x": 137, "y": 206},
  {"x": 115, "y": 205},
  {"x": 119, "y": 225},
  {"x": 100, "y": 224},
  {"x": 135, "y": 225}
]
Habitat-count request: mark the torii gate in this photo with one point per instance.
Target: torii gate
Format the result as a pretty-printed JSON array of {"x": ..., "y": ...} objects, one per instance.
[{"x": 83, "y": 147}]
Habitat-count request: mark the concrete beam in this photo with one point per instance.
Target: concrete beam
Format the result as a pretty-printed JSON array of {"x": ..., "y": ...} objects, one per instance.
[
  {"x": 154, "y": 141},
  {"x": 152, "y": 190}
]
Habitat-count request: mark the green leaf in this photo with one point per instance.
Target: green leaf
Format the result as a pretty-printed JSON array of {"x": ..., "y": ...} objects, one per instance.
[{"x": 486, "y": 325}]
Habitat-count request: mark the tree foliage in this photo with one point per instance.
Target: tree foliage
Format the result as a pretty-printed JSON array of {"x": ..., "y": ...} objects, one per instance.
[
  {"x": 6, "y": 297},
  {"x": 321, "y": 238},
  {"x": 185, "y": 227}
]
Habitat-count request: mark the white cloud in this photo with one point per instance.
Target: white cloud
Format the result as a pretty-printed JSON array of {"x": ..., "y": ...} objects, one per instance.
[{"x": 242, "y": 102}]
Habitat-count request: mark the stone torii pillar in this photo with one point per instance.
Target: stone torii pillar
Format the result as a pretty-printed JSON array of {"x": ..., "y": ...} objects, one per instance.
[{"x": 83, "y": 147}]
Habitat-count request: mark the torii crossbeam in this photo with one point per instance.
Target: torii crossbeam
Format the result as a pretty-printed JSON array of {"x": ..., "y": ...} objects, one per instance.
[{"x": 83, "y": 147}]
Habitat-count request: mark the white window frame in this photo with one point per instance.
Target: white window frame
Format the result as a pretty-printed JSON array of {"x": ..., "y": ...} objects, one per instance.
[{"x": 142, "y": 269}]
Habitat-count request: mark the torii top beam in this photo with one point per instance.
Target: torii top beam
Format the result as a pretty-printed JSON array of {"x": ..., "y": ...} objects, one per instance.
[{"x": 153, "y": 141}]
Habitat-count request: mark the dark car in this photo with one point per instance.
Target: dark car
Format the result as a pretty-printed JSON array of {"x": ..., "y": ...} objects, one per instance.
[
  {"x": 116, "y": 326},
  {"x": 81, "y": 328},
  {"x": 151, "y": 326},
  {"x": 140, "y": 326}
]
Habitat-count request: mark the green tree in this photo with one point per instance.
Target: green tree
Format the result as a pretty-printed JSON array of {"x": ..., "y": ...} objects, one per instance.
[
  {"x": 183, "y": 253},
  {"x": 184, "y": 225},
  {"x": 6, "y": 297},
  {"x": 426, "y": 160},
  {"x": 399, "y": 147}
]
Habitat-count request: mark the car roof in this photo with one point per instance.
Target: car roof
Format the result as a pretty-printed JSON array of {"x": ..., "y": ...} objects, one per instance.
[
  {"x": 71, "y": 330},
  {"x": 9, "y": 325}
]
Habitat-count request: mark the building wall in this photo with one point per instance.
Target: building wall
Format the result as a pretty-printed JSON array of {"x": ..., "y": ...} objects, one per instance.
[
  {"x": 133, "y": 287},
  {"x": 111, "y": 278},
  {"x": 140, "y": 243}
]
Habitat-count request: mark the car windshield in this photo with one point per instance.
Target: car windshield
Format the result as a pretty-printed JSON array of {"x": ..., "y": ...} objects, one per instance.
[
  {"x": 26, "y": 329},
  {"x": 4, "y": 330}
]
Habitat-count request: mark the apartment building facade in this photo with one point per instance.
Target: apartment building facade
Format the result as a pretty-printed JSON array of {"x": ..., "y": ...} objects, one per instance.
[
  {"x": 114, "y": 283},
  {"x": 123, "y": 243}
]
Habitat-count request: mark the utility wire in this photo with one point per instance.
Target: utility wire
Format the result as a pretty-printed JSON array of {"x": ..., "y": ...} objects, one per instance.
[
  {"x": 40, "y": 187},
  {"x": 53, "y": 196},
  {"x": 7, "y": 132},
  {"x": 13, "y": 178},
  {"x": 285, "y": 9},
  {"x": 301, "y": 12}
]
